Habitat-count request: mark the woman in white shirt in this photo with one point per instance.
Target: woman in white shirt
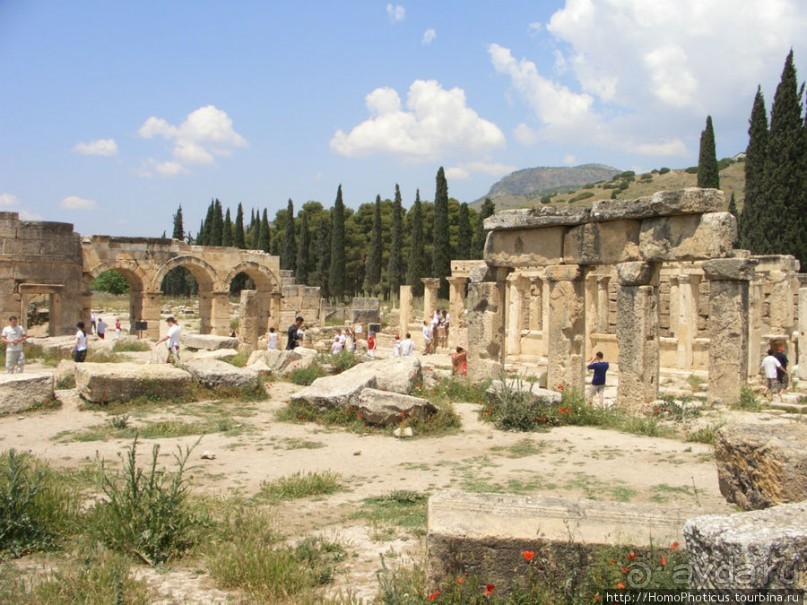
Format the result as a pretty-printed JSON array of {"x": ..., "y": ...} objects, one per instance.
[{"x": 80, "y": 350}]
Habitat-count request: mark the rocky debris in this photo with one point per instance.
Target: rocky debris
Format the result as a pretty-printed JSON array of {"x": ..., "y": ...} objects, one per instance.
[
  {"x": 538, "y": 394},
  {"x": 382, "y": 408},
  {"x": 753, "y": 550},
  {"x": 221, "y": 354},
  {"x": 217, "y": 374},
  {"x": 208, "y": 342},
  {"x": 334, "y": 391},
  {"x": 208, "y": 455},
  {"x": 23, "y": 391},
  {"x": 403, "y": 432},
  {"x": 758, "y": 468},
  {"x": 283, "y": 361},
  {"x": 103, "y": 382}
]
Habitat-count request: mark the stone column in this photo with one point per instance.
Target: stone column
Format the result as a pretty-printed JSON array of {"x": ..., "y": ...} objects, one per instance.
[
  {"x": 55, "y": 315},
  {"x": 728, "y": 326},
  {"x": 456, "y": 306},
  {"x": 536, "y": 304},
  {"x": 405, "y": 317},
  {"x": 801, "y": 344},
  {"x": 592, "y": 318},
  {"x": 637, "y": 335},
  {"x": 686, "y": 320},
  {"x": 566, "y": 328},
  {"x": 151, "y": 307},
  {"x": 275, "y": 307},
  {"x": 602, "y": 303},
  {"x": 431, "y": 285},
  {"x": 249, "y": 318},
  {"x": 485, "y": 338},
  {"x": 220, "y": 313},
  {"x": 514, "y": 306}
]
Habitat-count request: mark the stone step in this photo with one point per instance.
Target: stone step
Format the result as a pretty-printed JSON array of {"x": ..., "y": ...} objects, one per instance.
[{"x": 786, "y": 406}]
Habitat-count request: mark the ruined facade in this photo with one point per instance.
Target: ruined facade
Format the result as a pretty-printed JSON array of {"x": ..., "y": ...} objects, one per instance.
[{"x": 653, "y": 283}]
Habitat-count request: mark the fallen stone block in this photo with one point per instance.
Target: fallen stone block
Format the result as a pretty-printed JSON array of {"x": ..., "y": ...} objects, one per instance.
[
  {"x": 537, "y": 394},
  {"x": 334, "y": 391},
  {"x": 103, "y": 382},
  {"x": 382, "y": 408},
  {"x": 220, "y": 354},
  {"x": 759, "y": 467},
  {"x": 754, "y": 550},
  {"x": 19, "y": 392},
  {"x": 294, "y": 359},
  {"x": 217, "y": 374},
  {"x": 208, "y": 342}
]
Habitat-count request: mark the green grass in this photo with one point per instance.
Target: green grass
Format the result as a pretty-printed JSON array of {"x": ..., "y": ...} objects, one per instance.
[
  {"x": 159, "y": 429},
  {"x": 131, "y": 346},
  {"x": 705, "y": 434},
  {"x": 749, "y": 401},
  {"x": 400, "y": 508},
  {"x": 300, "y": 485},
  {"x": 520, "y": 449}
]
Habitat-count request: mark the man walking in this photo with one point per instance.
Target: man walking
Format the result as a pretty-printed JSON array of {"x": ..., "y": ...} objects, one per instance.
[
  {"x": 600, "y": 367},
  {"x": 13, "y": 337},
  {"x": 172, "y": 339},
  {"x": 293, "y": 340},
  {"x": 771, "y": 367}
]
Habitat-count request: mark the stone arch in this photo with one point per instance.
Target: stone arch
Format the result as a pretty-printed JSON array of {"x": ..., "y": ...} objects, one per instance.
[
  {"x": 260, "y": 307},
  {"x": 265, "y": 280},
  {"x": 202, "y": 271},
  {"x": 130, "y": 269}
]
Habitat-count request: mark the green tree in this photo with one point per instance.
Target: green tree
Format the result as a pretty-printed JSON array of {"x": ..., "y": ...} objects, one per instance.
[
  {"x": 303, "y": 262},
  {"x": 324, "y": 255},
  {"x": 708, "y": 172},
  {"x": 227, "y": 235},
  {"x": 336, "y": 273},
  {"x": 785, "y": 197},
  {"x": 288, "y": 259},
  {"x": 372, "y": 273},
  {"x": 110, "y": 281},
  {"x": 238, "y": 231},
  {"x": 464, "y": 233},
  {"x": 256, "y": 232},
  {"x": 265, "y": 242},
  {"x": 395, "y": 269},
  {"x": 179, "y": 229},
  {"x": 487, "y": 210},
  {"x": 751, "y": 228},
  {"x": 217, "y": 230},
  {"x": 441, "y": 252},
  {"x": 417, "y": 253}
]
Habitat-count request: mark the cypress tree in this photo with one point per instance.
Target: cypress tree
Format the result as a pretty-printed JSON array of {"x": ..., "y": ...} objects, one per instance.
[
  {"x": 207, "y": 225},
  {"x": 441, "y": 252},
  {"x": 372, "y": 272},
  {"x": 784, "y": 196},
  {"x": 735, "y": 214},
  {"x": 200, "y": 235},
  {"x": 324, "y": 255},
  {"x": 303, "y": 262},
  {"x": 288, "y": 259},
  {"x": 752, "y": 236},
  {"x": 256, "y": 232},
  {"x": 179, "y": 229},
  {"x": 417, "y": 250},
  {"x": 464, "y": 233},
  {"x": 217, "y": 232},
  {"x": 266, "y": 236},
  {"x": 336, "y": 273},
  {"x": 708, "y": 172},
  {"x": 478, "y": 248},
  {"x": 227, "y": 236},
  {"x": 238, "y": 232},
  {"x": 395, "y": 273}
]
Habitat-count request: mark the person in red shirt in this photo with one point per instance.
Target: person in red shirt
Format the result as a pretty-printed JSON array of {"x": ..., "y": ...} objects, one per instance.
[
  {"x": 371, "y": 345},
  {"x": 459, "y": 362}
]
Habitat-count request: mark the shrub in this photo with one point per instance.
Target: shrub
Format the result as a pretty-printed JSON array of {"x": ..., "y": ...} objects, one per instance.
[
  {"x": 663, "y": 170},
  {"x": 692, "y": 170},
  {"x": 300, "y": 485},
  {"x": 305, "y": 376},
  {"x": 147, "y": 513},
  {"x": 131, "y": 346},
  {"x": 36, "y": 508},
  {"x": 582, "y": 196},
  {"x": 748, "y": 400},
  {"x": 546, "y": 199}
]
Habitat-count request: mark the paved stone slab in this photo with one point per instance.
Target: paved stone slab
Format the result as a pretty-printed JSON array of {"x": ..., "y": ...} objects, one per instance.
[
  {"x": 208, "y": 342},
  {"x": 103, "y": 382},
  {"x": 19, "y": 392},
  {"x": 217, "y": 374}
]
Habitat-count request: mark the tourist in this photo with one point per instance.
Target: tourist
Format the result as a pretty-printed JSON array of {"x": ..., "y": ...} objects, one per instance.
[
  {"x": 80, "y": 348},
  {"x": 771, "y": 367},
  {"x": 371, "y": 345},
  {"x": 171, "y": 340},
  {"x": 396, "y": 346},
  {"x": 781, "y": 373},
  {"x": 407, "y": 346},
  {"x": 459, "y": 362},
  {"x": 117, "y": 328},
  {"x": 271, "y": 341},
  {"x": 350, "y": 341},
  {"x": 336, "y": 345},
  {"x": 101, "y": 328},
  {"x": 93, "y": 317},
  {"x": 293, "y": 340},
  {"x": 13, "y": 337},
  {"x": 427, "y": 337},
  {"x": 600, "y": 367}
]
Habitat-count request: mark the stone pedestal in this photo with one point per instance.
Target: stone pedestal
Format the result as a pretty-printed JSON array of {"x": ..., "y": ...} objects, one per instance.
[
  {"x": 220, "y": 313},
  {"x": 515, "y": 284},
  {"x": 728, "y": 326},
  {"x": 637, "y": 334},
  {"x": 275, "y": 308},
  {"x": 431, "y": 287},
  {"x": 405, "y": 316},
  {"x": 456, "y": 306},
  {"x": 248, "y": 318},
  {"x": 485, "y": 338},
  {"x": 567, "y": 328},
  {"x": 151, "y": 306}
]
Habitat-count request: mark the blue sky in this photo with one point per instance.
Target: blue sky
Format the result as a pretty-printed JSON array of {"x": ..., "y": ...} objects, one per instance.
[{"x": 114, "y": 113}]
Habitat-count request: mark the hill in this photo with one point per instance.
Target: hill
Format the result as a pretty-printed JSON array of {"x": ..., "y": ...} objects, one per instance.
[{"x": 617, "y": 185}]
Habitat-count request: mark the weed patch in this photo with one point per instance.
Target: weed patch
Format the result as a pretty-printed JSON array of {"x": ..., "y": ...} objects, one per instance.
[
  {"x": 300, "y": 485},
  {"x": 401, "y": 508}
]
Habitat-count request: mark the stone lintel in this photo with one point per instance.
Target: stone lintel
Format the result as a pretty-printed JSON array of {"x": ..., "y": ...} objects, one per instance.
[
  {"x": 635, "y": 273},
  {"x": 558, "y": 273},
  {"x": 691, "y": 200},
  {"x": 738, "y": 269},
  {"x": 537, "y": 217}
]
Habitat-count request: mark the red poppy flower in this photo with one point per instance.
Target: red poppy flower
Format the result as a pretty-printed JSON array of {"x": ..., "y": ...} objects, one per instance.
[
  {"x": 632, "y": 555},
  {"x": 674, "y": 546},
  {"x": 620, "y": 585},
  {"x": 528, "y": 555},
  {"x": 625, "y": 570},
  {"x": 434, "y": 595},
  {"x": 489, "y": 588},
  {"x": 460, "y": 579},
  {"x": 663, "y": 560},
  {"x": 612, "y": 562},
  {"x": 560, "y": 387},
  {"x": 596, "y": 598}
]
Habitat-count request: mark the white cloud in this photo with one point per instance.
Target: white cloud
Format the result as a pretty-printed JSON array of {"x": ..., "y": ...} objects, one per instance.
[
  {"x": 205, "y": 134},
  {"x": 435, "y": 123},
  {"x": 74, "y": 202},
  {"x": 465, "y": 170},
  {"x": 569, "y": 160},
  {"x": 525, "y": 135},
  {"x": 8, "y": 200},
  {"x": 428, "y": 36},
  {"x": 103, "y": 147},
  {"x": 396, "y": 12}
]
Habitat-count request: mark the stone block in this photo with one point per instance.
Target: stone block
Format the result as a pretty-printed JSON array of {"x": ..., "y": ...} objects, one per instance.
[
  {"x": 524, "y": 247},
  {"x": 208, "y": 342},
  {"x": 217, "y": 374},
  {"x": 635, "y": 273},
  {"x": 691, "y": 200},
  {"x": 755, "y": 550},
  {"x": 104, "y": 382},
  {"x": 759, "y": 468},
  {"x": 550, "y": 216},
  {"x": 383, "y": 408},
  {"x": 334, "y": 391},
  {"x": 602, "y": 243},
  {"x": 688, "y": 237},
  {"x": 484, "y": 535},
  {"x": 737, "y": 269},
  {"x": 19, "y": 392}
]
